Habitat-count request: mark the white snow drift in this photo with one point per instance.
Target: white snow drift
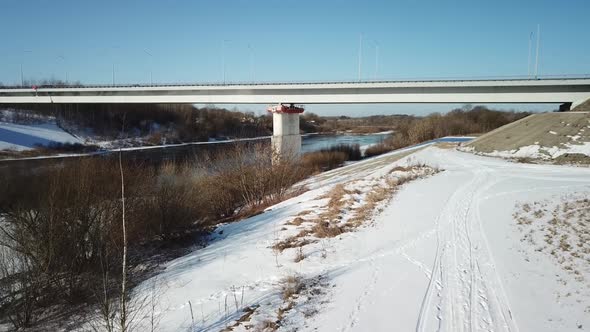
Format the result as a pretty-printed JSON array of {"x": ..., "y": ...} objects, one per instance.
[{"x": 21, "y": 137}]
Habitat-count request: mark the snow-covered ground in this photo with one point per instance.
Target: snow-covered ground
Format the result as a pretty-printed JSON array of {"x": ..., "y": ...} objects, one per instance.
[
  {"x": 445, "y": 254},
  {"x": 537, "y": 151},
  {"x": 20, "y": 137}
]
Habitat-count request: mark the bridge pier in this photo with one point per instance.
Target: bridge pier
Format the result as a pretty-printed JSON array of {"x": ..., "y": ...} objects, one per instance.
[{"x": 286, "y": 139}]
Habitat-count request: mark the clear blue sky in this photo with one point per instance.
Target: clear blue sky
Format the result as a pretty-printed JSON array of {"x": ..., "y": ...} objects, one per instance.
[{"x": 288, "y": 40}]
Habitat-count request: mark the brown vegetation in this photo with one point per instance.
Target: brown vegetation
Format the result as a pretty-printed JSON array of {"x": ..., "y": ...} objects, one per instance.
[
  {"x": 413, "y": 130},
  {"x": 559, "y": 228},
  {"x": 332, "y": 221},
  {"x": 60, "y": 228}
]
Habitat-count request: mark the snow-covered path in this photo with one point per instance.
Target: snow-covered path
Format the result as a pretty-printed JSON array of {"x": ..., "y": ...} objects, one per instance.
[
  {"x": 433, "y": 268},
  {"x": 444, "y": 255}
]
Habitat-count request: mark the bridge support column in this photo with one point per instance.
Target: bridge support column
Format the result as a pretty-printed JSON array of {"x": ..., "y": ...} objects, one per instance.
[{"x": 286, "y": 139}]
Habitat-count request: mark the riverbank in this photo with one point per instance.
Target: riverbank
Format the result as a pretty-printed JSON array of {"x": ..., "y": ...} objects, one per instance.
[{"x": 457, "y": 260}]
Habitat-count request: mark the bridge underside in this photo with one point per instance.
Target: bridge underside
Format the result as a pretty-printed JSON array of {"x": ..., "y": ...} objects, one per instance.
[
  {"x": 520, "y": 91},
  {"x": 286, "y": 139},
  {"x": 307, "y": 99}
]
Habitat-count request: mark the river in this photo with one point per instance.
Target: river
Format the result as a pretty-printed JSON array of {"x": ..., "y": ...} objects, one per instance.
[
  {"x": 312, "y": 143},
  {"x": 179, "y": 152}
]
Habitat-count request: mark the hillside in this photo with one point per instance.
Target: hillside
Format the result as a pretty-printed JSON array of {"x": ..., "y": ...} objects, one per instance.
[
  {"x": 559, "y": 137},
  {"x": 583, "y": 107},
  {"x": 462, "y": 261}
]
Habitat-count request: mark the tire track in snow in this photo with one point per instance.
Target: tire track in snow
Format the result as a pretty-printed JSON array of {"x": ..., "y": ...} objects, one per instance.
[
  {"x": 459, "y": 291},
  {"x": 426, "y": 300},
  {"x": 439, "y": 276}
]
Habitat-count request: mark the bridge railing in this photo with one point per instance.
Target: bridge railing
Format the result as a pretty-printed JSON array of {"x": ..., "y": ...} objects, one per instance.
[{"x": 314, "y": 82}]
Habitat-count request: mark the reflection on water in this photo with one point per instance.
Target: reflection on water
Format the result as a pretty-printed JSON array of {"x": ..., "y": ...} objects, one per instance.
[{"x": 317, "y": 142}]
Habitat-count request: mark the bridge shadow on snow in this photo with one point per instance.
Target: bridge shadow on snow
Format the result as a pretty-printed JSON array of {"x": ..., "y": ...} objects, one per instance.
[{"x": 26, "y": 140}]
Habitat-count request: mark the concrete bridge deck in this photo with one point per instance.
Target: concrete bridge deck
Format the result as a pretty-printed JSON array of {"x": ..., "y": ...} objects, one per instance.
[{"x": 545, "y": 90}]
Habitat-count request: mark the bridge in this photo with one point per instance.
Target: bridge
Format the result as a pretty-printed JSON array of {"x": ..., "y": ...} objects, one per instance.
[{"x": 570, "y": 91}]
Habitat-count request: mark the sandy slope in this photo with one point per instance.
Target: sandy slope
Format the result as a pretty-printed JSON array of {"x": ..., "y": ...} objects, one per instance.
[
  {"x": 445, "y": 255},
  {"x": 543, "y": 136}
]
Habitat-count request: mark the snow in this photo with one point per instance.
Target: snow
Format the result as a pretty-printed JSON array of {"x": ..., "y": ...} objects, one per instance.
[
  {"x": 444, "y": 254},
  {"x": 388, "y": 132},
  {"x": 537, "y": 151},
  {"x": 25, "y": 137}
]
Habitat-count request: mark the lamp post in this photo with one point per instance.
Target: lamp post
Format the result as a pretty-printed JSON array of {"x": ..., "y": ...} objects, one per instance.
[
  {"x": 63, "y": 59},
  {"x": 114, "y": 49},
  {"x": 376, "y": 58},
  {"x": 529, "y": 62},
  {"x": 151, "y": 65},
  {"x": 223, "y": 58},
  {"x": 251, "y": 63},
  {"x": 537, "y": 53},
  {"x": 360, "y": 55},
  {"x": 22, "y": 77}
]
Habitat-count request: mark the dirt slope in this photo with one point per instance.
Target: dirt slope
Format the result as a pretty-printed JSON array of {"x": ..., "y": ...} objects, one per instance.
[
  {"x": 549, "y": 131},
  {"x": 583, "y": 107}
]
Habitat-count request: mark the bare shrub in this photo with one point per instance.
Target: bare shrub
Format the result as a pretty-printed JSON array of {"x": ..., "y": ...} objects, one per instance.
[
  {"x": 291, "y": 286},
  {"x": 414, "y": 130},
  {"x": 324, "y": 229},
  {"x": 299, "y": 256},
  {"x": 64, "y": 224},
  {"x": 378, "y": 149},
  {"x": 322, "y": 161},
  {"x": 20, "y": 285}
]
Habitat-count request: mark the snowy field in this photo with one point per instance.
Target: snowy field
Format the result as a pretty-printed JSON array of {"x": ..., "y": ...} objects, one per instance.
[
  {"x": 26, "y": 137},
  {"x": 448, "y": 252}
]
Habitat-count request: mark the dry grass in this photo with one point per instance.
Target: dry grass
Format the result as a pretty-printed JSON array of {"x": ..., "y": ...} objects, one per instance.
[
  {"x": 291, "y": 286},
  {"x": 300, "y": 298},
  {"x": 559, "y": 228},
  {"x": 343, "y": 202},
  {"x": 300, "y": 256},
  {"x": 282, "y": 311},
  {"x": 378, "y": 149},
  {"x": 296, "y": 241},
  {"x": 383, "y": 192},
  {"x": 304, "y": 213},
  {"x": 296, "y": 222},
  {"x": 323, "y": 229},
  {"x": 248, "y": 312},
  {"x": 319, "y": 161},
  {"x": 268, "y": 325}
]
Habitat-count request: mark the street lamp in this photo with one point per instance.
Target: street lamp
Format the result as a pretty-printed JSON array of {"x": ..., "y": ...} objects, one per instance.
[
  {"x": 223, "y": 58},
  {"x": 151, "y": 65},
  {"x": 537, "y": 51},
  {"x": 376, "y": 58},
  {"x": 529, "y": 62},
  {"x": 251, "y": 63},
  {"x": 113, "y": 59},
  {"x": 63, "y": 59},
  {"x": 360, "y": 54},
  {"x": 22, "y": 78}
]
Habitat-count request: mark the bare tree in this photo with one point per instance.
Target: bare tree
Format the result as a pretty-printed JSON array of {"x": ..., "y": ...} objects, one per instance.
[{"x": 123, "y": 317}]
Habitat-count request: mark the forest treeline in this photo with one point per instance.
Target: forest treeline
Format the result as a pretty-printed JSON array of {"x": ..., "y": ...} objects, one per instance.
[
  {"x": 462, "y": 121},
  {"x": 178, "y": 123}
]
